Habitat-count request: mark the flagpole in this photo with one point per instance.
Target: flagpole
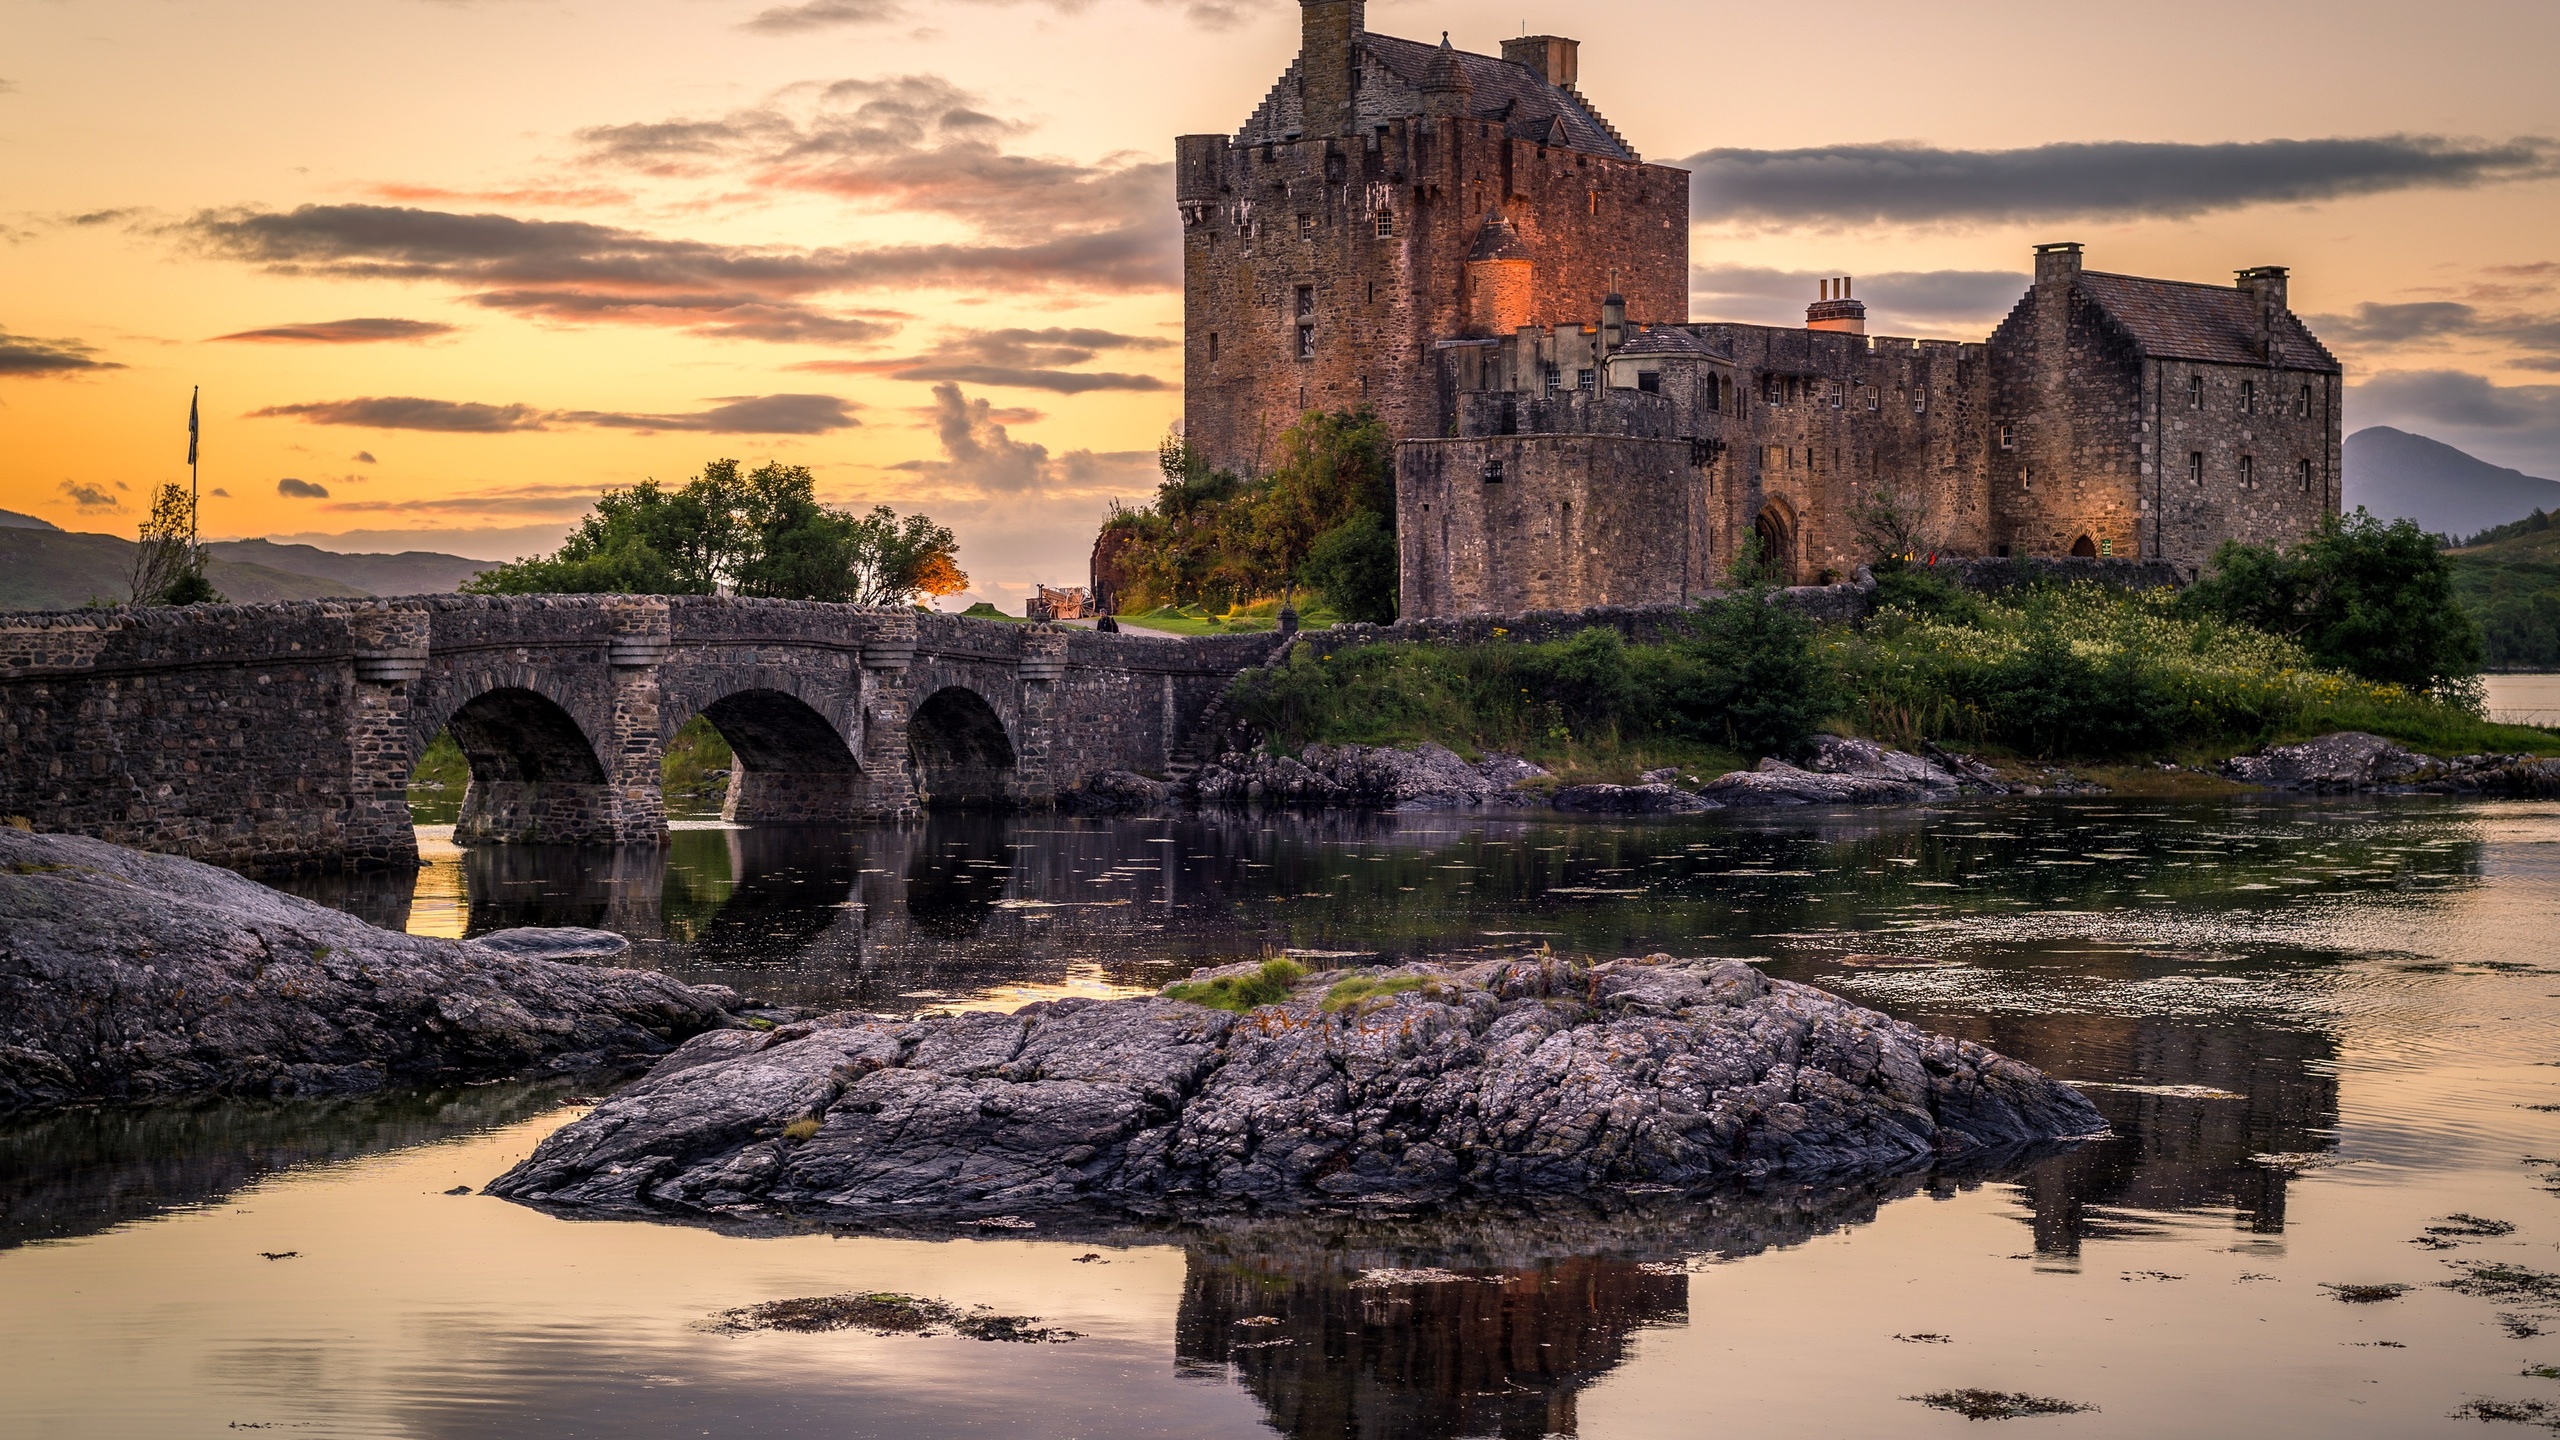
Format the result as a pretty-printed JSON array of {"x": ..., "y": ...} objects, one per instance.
[{"x": 193, "y": 531}]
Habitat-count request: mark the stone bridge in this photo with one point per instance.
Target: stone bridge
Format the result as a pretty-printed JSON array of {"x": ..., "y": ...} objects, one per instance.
[{"x": 274, "y": 738}]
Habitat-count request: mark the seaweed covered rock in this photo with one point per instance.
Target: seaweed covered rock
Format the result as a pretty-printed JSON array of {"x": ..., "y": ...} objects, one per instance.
[
  {"x": 1426, "y": 777},
  {"x": 1420, "y": 1083},
  {"x": 128, "y": 976}
]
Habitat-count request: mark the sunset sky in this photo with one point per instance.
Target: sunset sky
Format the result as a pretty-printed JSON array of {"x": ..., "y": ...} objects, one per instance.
[{"x": 446, "y": 268}]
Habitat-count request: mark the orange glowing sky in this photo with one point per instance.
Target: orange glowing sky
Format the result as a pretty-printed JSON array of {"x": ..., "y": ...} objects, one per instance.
[{"x": 445, "y": 268}]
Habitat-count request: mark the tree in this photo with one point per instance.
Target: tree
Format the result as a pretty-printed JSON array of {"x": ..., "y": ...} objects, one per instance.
[
  {"x": 168, "y": 566},
  {"x": 762, "y": 533},
  {"x": 1354, "y": 566},
  {"x": 2373, "y": 599}
]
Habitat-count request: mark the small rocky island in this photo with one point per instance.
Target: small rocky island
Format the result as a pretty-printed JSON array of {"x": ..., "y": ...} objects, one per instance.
[
  {"x": 126, "y": 976},
  {"x": 1415, "y": 1084}
]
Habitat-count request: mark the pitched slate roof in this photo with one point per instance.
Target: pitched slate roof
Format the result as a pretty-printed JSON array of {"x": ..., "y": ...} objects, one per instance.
[
  {"x": 2183, "y": 320},
  {"x": 1500, "y": 92},
  {"x": 1670, "y": 340},
  {"x": 1497, "y": 240}
]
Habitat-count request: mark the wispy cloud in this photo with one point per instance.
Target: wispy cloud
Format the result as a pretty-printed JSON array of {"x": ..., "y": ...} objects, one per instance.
[
  {"x": 1904, "y": 183},
  {"x": 729, "y": 415},
  {"x": 345, "y": 332},
  {"x": 1016, "y": 359},
  {"x": 559, "y": 500},
  {"x": 27, "y": 355},
  {"x": 980, "y": 457},
  {"x": 88, "y": 497},
  {"x": 293, "y": 489},
  {"x": 2419, "y": 324},
  {"x": 811, "y": 15}
]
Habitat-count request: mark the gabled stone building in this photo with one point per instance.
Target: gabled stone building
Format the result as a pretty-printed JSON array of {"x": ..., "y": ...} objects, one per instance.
[{"x": 1464, "y": 243}]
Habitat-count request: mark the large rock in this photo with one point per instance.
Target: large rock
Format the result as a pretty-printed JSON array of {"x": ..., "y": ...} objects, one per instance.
[
  {"x": 1655, "y": 797},
  {"x": 1844, "y": 770},
  {"x": 126, "y": 976},
  {"x": 1426, "y": 777},
  {"x": 1503, "y": 1078},
  {"x": 2352, "y": 760}
]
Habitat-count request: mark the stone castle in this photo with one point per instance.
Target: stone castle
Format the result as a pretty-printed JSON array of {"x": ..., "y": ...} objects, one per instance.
[{"x": 1462, "y": 242}]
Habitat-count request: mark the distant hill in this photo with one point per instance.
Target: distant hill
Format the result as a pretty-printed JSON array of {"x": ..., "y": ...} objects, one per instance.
[
  {"x": 2512, "y": 585},
  {"x": 57, "y": 570},
  {"x": 411, "y": 572},
  {"x": 12, "y": 520},
  {"x": 2394, "y": 473}
]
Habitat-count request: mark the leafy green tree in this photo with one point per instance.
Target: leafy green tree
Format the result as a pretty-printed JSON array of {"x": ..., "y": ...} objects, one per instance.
[
  {"x": 168, "y": 565},
  {"x": 2370, "y": 598},
  {"x": 1354, "y": 566},
  {"x": 759, "y": 533}
]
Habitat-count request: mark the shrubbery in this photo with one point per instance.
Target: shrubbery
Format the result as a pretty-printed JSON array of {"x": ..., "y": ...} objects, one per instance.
[{"x": 2371, "y": 599}]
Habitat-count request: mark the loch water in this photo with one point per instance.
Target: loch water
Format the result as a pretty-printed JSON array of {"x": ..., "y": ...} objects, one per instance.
[{"x": 2323, "y": 1033}]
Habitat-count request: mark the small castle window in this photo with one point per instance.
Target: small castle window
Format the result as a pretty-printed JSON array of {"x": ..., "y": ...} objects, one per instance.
[
  {"x": 2106, "y": 545},
  {"x": 1213, "y": 347},
  {"x": 2302, "y": 475},
  {"x": 1306, "y": 342},
  {"x": 2195, "y": 392},
  {"x": 1386, "y": 224},
  {"x": 2302, "y": 401},
  {"x": 2026, "y": 478},
  {"x": 2195, "y": 467},
  {"x": 2006, "y": 439},
  {"x": 1649, "y": 381},
  {"x": 1306, "y": 226},
  {"x": 1306, "y": 302},
  {"x": 2248, "y": 472},
  {"x": 2248, "y": 397},
  {"x": 1712, "y": 396},
  {"x": 1585, "y": 380},
  {"x": 1920, "y": 401}
]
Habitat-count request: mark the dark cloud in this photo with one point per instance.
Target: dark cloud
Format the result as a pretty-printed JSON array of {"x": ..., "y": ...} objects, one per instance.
[
  {"x": 2419, "y": 323},
  {"x": 363, "y": 457},
  {"x": 1017, "y": 359},
  {"x": 825, "y": 14},
  {"x": 218, "y": 490},
  {"x": 345, "y": 332},
  {"x": 408, "y": 412},
  {"x": 293, "y": 489},
  {"x": 101, "y": 217},
  {"x": 1972, "y": 299},
  {"x": 726, "y": 317},
  {"x": 1895, "y": 183},
  {"x": 730, "y": 415},
  {"x": 26, "y": 355},
  {"x": 88, "y": 497},
  {"x": 736, "y": 415}
]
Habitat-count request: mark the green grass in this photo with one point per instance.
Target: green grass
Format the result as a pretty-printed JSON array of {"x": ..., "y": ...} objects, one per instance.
[
  {"x": 2512, "y": 587},
  {"x": 1259, "y": 617},
  {"x": 985, "y": 611},
  {"x": 1240, "y": 993},
  {"x": 1359, "y": 989}
]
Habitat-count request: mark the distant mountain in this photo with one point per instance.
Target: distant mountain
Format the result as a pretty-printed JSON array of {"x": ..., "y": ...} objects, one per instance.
[
  {"x": 2394, "y": 473},
  {"x": 12, "y": 520},
  {"x": 411, "y": 572},
  {"x": 56, "y": 570}
]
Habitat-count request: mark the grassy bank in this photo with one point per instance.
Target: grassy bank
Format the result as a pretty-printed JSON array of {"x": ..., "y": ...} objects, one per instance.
[{"x": 2078, "y": 674}]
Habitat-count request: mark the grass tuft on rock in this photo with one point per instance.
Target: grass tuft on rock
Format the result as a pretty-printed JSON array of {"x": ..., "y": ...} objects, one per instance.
[
  {"x": 804, "y": 1128},
  {"x": 1270, "y": 985},
  {"x": 2366, "y": 1294},
  {"x": 1359, "y": 988},
  {"x": 1999, "y": 1404}
]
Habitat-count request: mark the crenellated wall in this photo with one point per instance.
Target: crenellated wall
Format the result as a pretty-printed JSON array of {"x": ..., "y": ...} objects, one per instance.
[{"x": 281, "y": 737}]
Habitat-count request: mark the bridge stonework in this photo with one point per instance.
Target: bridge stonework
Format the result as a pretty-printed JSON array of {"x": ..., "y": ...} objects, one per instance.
[{"x": 274, "y": 738}]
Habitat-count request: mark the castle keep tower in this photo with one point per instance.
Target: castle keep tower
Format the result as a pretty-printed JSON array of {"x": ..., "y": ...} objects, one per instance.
[{"x": 1389, "y": 197}]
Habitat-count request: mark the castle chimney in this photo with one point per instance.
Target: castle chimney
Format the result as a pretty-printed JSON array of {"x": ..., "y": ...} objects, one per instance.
[
  {"x": 1328, "y": 55},
  {"x": 1835, "y": 311},
  {"x": 2057, "y": 263},
  {"x": 1613, "y": 323},
  {"x": 2266, "y": 283},
  {"x": 1552, "y": 58}
]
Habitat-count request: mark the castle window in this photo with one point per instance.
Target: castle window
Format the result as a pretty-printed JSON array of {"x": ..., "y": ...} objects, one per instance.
[
  {"x": 2005, "y": 438},
  {"x": 1712, "y": 397},
  {"x": 2026, "y": 478},
  {"x": 1306, "y": 342},
  {"x": 2195, "y": 392},
  {"x": 1306, "y": 226},
  {"x": 2302, "y": 401},
  {"x": 2248, "y": 472},
  {"x": 2106, "y": 545},
  {"x": 2195, "y": 467},
  {"x": 2248, "y": 397},
  {"x": 2302, "y": 475},
  {"x": 1649, "y": 381},
  {"x": 1213, "y": 347},
  {"x": 1386, "y": 224},
  {"x": 1306, "y": 302},
  {"x": 1585, "y": 380},
  {"x": 1920, "y": 401}
]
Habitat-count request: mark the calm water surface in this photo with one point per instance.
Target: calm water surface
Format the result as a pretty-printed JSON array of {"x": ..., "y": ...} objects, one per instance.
[{"x": 2318, "y": 1029}]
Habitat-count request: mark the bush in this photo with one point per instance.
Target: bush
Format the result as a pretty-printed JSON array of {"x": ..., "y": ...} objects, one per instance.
[
  {"x": 1240, "y": 993},
  {"x": 1354, "y": 566},
  {"x": 2371, "y": 599}
]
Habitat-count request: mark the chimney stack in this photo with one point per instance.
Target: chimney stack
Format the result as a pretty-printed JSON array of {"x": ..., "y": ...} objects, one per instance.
[
  {"x": 1328, "y": 54},
  {"x": 2058, "y": 262},
  {"x": 1613, "y": 323},
  {"x": 2266, "y": 282},
  {"x": 1552, "y": 58},
  {"x": 1835, "y": 311}
]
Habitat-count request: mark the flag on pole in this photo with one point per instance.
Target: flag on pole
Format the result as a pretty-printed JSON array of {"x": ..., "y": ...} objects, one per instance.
[{"x": 191, "y": 425}]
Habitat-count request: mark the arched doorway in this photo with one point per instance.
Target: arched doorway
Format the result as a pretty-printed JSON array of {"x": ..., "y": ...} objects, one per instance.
[
  {"x": 534, "y": 774},
  {"x": 2084, "y": 548},
  {"x": 791, "y": 764},
  {"x": 1773, "y": 534},
  {"x": 961, "y": 755}
]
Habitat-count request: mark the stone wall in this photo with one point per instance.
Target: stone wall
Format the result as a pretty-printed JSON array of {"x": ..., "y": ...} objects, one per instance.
[
  {"x": 1509, "y": 523},
  {"x": 281, "y": 737}
]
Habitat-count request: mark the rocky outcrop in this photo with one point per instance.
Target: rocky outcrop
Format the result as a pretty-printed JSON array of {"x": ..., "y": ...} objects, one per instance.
[
  {"x": 1116, "y": 792},
  {"x": 1421, "y": 1083},
  {"x": 126, "y": 976},
  {"x": 1654, "y": 797},
  {"x": 1427, "y": 777},
  {"x": 2351, "y": 760}
]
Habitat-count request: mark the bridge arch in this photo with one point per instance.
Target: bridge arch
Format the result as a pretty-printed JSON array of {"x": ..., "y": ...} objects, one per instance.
[
  {"x": 960, "y": 753},
  {"x": 794, "y": 764},
  {"x": 535, "y": 772},
  {"x": 1773, "y": 531}
]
